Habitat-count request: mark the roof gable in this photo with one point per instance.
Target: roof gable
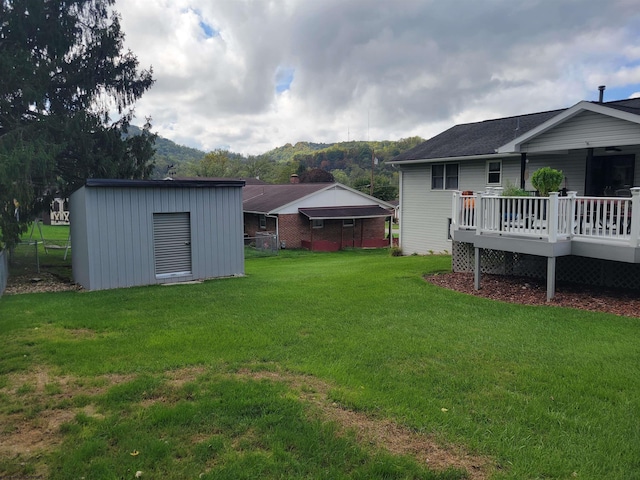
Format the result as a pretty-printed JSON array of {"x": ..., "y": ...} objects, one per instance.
[
  {"x": 267, "y": 198},
  {"x": 506, "y": 135},
  {"x": 620, "y": 113},
  {"x": 287, "y": 198}
]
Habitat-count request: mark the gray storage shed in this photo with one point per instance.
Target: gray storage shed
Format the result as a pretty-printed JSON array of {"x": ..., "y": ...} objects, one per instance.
[{"x": 142, "y": 232}]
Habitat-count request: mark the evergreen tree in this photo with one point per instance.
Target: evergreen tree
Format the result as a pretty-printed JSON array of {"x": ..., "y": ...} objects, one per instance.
[{"x": 64, "y": 73}]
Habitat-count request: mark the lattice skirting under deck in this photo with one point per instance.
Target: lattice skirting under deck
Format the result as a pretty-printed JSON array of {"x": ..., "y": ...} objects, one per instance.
[{"x": 573, "y": 269}]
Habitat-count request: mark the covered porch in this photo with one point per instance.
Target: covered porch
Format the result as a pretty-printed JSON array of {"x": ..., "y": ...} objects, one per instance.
[
  {"x": 606, "y": 228},
  {"x": 334, "y": 228}
]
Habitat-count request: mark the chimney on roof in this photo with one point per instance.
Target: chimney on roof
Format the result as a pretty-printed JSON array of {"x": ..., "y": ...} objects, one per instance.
[
  {"x": 294, "y": 178},
  {"x": 601, "y": 89}
]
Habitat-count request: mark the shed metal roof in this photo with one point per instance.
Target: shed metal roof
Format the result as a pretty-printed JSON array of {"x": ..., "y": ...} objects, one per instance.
[{"x": 124, "y": 183}]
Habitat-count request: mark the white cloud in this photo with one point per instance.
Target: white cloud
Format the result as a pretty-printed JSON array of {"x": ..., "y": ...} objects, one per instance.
[{"x": 369, "y": 69}]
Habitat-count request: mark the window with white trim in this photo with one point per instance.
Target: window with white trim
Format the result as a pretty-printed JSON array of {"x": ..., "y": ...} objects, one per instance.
[
  {"x": 317, "y": 223},
  {"x": 263, "y": 222},
  {"x": 348, "y": 222},
  {"x": 444, "y": 176},
  {"x": 494, "y": 172}
]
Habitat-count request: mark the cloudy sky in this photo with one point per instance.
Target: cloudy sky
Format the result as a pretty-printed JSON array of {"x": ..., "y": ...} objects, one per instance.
[{"x": 253, "y": 75}]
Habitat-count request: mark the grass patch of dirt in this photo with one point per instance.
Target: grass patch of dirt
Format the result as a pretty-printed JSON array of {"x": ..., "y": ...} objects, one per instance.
[
  {"x": 380, "y": 433},
  {"x": 39, "y": 403}
]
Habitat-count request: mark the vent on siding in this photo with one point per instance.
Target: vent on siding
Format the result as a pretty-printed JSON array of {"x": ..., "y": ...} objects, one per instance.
[{"x": 172, "y": 243}]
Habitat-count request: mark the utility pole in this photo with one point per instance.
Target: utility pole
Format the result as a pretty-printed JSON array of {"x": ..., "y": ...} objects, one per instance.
[{"x": 373, "y": 156}]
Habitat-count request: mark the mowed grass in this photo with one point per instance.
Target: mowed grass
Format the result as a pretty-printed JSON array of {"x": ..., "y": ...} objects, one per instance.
[
  {"x": 51, "y": 242},
  {"x": 543, "y": 392}
]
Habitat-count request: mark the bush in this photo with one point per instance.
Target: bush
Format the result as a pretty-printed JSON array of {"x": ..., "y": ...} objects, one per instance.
[
  {"x": 547, "y": 180},
  {"x": 510, "y": 190},
  {"x": 395, "y": 251}
]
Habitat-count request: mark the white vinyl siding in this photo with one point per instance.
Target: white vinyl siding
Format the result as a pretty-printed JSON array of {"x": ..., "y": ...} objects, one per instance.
[
  {"x": 424, "y": 213},
  {"x": 585, "y": 130}
]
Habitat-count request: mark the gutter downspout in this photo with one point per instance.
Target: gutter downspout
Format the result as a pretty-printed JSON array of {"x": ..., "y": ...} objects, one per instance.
[{"x": 523, "y": 166}]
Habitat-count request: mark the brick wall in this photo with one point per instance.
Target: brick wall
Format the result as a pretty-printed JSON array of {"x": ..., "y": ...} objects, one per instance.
[
  {"x": 294, "y": 228},
  {"x": 252, "y": 224}
]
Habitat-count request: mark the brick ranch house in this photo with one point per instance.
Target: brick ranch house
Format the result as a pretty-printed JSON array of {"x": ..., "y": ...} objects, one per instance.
[{"x": 316, "y": 216}]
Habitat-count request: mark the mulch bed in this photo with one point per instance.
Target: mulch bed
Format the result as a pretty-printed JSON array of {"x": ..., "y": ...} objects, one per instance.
[
  {"x": 529, "y": 291},
  {"x": 35, "y": 283}
]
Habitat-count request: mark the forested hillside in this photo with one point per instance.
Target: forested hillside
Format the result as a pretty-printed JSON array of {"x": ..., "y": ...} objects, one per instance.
[{"x": 349, "y": 163}]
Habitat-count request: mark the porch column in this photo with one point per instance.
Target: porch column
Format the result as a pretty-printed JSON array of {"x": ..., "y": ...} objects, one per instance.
[
  {"x": 476, "y": 268},
  {"x": 551, "y": 277},
  {"x": 635, "y": 217},
  {"x": 523, "y": 167}
]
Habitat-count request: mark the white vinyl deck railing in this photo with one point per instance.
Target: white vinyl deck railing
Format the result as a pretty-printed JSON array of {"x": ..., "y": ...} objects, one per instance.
[{"x": 552, "y": 218}]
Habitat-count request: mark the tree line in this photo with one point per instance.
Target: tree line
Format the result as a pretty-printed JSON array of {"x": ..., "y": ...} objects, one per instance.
[{"x": 350, "y": 163}]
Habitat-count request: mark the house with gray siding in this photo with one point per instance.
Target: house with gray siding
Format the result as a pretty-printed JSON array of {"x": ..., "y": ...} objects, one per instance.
[
  {"x": 451, "y": 201},
  {"x": 141, "y": 232}
]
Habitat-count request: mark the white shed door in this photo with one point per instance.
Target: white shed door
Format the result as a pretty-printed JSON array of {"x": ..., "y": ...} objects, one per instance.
[{"x": 172, "y": 243}]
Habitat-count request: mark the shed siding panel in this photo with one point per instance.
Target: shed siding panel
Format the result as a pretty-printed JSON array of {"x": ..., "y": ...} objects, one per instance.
[
  {"x": 79, "y": 241},
  {"x": 596, "y": 129},
  {"x": 118, "y": 222}
]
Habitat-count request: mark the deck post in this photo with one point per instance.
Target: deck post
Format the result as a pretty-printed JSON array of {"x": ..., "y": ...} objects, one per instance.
[
  {"x": 551, "y": 277},
  {"x": 479, "y": 213},
  {"x": 572, "y": 213},
  {"x": 476, "y": 268},
  {"x": 635, "y": 216},
  {"x": 552, "y": 217},
  {"x": 455, "y": 209}
]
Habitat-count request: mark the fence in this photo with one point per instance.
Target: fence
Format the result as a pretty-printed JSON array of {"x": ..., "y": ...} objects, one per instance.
[
  {"x": 38, "y": 258},
  {"x": 262, "y": 245}
]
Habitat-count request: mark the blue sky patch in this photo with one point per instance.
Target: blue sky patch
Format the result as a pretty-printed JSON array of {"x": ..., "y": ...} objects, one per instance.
[
  {"x": 208, "y": 30},
  {"x": 284, "y": 77},
  {"x": 618, "y": 93}
]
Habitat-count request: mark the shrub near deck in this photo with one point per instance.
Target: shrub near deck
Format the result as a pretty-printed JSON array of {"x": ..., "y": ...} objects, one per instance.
[{"x": 539, "y": 391}]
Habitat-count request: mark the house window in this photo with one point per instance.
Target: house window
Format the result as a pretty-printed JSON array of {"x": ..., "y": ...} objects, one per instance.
[
  {"x": 444, "y": 176},
  {"x": 317, "y": 223},
  {"x": 348, "y": 223},
  {"x": 263, "y": 222},
  {"x": 494, "y": 172}
]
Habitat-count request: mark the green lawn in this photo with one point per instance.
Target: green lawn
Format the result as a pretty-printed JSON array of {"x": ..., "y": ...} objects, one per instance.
[
  {"x": 222, "y": 379},
  {"x": 51, "y": 242}
]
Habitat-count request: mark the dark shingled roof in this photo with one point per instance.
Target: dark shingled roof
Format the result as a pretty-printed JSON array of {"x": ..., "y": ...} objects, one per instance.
[
  {"x": 364, "y": 211},
  {"x": 266, "y": 198},
  {"x": 478, "y": 138},
  {"x": 631, "y": 105},
  {"x": 482, "y": 138}
]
